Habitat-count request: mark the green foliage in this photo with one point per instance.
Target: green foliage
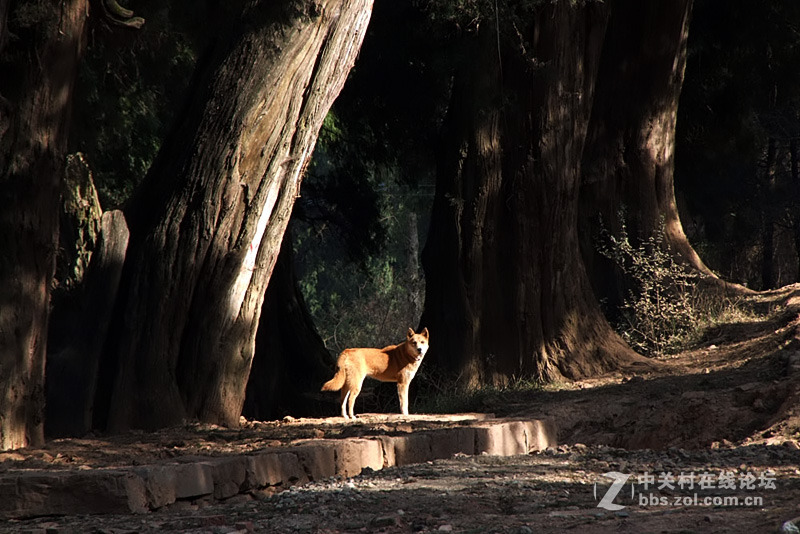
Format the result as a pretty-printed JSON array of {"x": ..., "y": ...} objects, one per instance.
[
  {"x": 364, "y": 203},
  {"x": 130, "y": 85},
  {"x": 742, "y": 88},
  {"x": 365, "y": 299}
]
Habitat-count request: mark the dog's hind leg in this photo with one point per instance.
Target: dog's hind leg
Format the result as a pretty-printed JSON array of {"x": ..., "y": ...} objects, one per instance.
[
  {"x": 353, "y": 388},
  {"x": 344, "y": 395}
]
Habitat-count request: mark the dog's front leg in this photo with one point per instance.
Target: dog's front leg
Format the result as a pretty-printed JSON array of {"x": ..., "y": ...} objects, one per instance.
[{"x": 402, "y": 395}]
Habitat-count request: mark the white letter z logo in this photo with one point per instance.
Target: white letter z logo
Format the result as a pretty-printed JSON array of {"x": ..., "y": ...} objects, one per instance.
[{"x": 607, "y": 501}]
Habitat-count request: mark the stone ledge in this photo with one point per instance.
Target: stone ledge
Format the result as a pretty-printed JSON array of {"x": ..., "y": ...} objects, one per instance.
[{"x": 138, "y": 489}]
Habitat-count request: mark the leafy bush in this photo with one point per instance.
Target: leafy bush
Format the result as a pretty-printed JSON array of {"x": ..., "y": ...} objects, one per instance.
[
  {"x": 667, "y": 307},
  {"x": 663, "y": 304}
]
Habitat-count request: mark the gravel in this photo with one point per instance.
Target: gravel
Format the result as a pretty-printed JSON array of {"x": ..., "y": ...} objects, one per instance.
[{"x": 556, "y": 490}]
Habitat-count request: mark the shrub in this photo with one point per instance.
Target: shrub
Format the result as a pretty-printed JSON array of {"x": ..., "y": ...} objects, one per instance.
[{"x": 663, "y": 303}]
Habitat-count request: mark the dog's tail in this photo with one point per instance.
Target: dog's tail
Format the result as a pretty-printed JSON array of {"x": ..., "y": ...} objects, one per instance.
[{"x": 335, "y": 383}]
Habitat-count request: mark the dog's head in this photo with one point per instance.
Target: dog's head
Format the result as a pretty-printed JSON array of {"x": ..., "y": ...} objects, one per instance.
[{"x": 418, "y": 342}]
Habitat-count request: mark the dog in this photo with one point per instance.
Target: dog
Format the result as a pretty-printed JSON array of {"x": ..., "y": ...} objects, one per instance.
[{"x": 395, "y": 363}]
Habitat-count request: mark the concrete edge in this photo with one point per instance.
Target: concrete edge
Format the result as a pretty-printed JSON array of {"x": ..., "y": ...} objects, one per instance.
[{"x": 138, "y": 489}]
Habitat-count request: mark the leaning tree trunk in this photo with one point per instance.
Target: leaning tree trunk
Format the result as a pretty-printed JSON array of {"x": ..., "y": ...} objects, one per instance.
[
  {"x": 629, "y": 158},
  {"x": 222, "y": 188},
  {"x": 507, "y": 294},
  {"x": 37, "y": 74}
]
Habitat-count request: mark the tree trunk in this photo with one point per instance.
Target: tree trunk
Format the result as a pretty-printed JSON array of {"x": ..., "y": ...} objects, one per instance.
[
  {"x": 794, "y": 157},
  {"x": 507, "y": 295},
  {"x": 415, "y": 294},
  {"x": 79, "y": 325},
  {"x": 291, "y": 361},
  {"x": 767, "y": 191},
  {"x": 37, "y": 75},
  {"x": 628, "y": 163},
  {"x": 207, "y": 226}
]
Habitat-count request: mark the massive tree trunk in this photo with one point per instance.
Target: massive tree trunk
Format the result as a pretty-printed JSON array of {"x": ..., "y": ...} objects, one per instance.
[
  {"x": 207, "y": 228},
  {"x": 37, "y": 75},
  {"x": 78, "y": 328},
  {"x": 507, "y": 294},
  {"x": 628, "y": 163}
]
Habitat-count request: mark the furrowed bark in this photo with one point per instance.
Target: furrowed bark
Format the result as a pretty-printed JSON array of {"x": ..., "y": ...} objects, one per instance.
[
  {"x": 204, "y": 247},
  {"x": 37, "y": 75},
  {"x": 507, "y": 294}
]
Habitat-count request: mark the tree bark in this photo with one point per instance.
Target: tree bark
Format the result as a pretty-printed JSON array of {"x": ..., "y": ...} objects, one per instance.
[
  {"x": 507, "y": 294},
  {"x": 206, "y": 233},
  {"x": 628, "y": 163},
  {"x": 37, "y": 76},
  {"x": 79, "y": 325},
  {"x": 767, "y": 193},
  {"x": 794, "y": 162}
]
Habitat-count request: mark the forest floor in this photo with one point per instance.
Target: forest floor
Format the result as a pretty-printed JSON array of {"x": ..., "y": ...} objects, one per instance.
[{"x": 708, "y": 442}]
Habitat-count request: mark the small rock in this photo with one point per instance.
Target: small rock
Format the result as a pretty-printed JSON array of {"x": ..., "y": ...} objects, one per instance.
[
  {"x": 445, "y": 528},
  {"x": 384, "y": 521},
  {"x": 790, "y": 527}
]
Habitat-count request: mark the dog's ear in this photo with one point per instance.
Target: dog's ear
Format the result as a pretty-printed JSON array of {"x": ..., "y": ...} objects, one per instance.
[
  {"x": 426, "y": 334},
  {"x": 410, "y": 333}
]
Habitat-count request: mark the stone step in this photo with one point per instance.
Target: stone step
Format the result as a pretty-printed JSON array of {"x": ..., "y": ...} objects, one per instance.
[{"x": 135, "y": 489}]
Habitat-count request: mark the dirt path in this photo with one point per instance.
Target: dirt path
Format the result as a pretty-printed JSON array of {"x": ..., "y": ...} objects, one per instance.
[{"x": 725, "y": 415}]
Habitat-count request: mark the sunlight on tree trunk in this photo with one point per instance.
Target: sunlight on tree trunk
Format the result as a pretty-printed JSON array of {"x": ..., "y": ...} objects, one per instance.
[
  {"x": 507, "y": 293},
  {"x": 628, "y": 164}
]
